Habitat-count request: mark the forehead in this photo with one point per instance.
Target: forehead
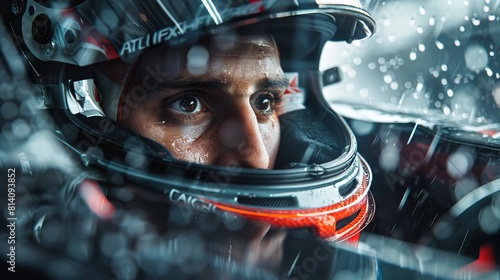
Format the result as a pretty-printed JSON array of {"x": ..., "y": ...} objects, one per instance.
[
  {"x": 244, "y": 46},
  {"x": 213, "y": 47},
  {"x": 235, "y": 59}
]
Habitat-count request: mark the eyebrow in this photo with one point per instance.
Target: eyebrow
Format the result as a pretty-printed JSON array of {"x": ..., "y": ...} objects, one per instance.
[
  {"x": 281, "y": 82},
  {"x": 210, "y": 84}
]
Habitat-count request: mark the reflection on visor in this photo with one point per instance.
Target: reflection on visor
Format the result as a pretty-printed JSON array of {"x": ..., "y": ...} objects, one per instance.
[{"x": 96, "y": 31}]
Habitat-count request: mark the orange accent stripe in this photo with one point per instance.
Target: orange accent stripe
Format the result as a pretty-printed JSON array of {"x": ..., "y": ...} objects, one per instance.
[{"x": 323, "y": 220}]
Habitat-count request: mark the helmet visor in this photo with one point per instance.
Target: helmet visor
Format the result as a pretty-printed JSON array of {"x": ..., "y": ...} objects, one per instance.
[{"x": 96, "y": 30}]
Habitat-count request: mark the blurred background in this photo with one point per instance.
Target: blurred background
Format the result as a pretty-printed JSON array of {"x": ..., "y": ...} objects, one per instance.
[
  {"x": 436, "y": 61},
  {"x": 422, "y": 96}
]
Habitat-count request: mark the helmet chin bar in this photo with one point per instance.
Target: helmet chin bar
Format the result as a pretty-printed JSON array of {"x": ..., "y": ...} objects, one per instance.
[
  {"x": 336, "y": 222},
  {"x": 335, "y": 219}
]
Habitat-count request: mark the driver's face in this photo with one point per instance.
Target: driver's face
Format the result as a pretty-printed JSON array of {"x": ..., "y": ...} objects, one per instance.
[{"x": 215, "y": 103}]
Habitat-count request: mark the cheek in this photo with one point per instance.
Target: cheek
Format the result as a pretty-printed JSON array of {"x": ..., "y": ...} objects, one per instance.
[
  {"x": 200, "y": 149},
  {"x": 188, "y": 143},
  {"x": 152, "y": 131},
  {"x": 270, "y": 133}
]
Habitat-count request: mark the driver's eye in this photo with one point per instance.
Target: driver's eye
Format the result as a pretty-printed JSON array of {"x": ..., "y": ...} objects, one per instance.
[
  {"x": 186, "y": 105},
  {"x": 263, "y": 103}
]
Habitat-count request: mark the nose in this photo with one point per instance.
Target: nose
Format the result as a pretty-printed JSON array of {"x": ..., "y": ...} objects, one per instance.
[{"x": 242, "y": 142}]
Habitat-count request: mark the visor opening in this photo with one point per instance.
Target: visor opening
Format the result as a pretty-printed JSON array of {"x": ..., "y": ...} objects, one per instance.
[
  {"x": 275, "y": 202},
  {"x": 348, "y": 189}
]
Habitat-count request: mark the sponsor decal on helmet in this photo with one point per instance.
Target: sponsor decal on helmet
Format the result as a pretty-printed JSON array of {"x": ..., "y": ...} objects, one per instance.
[
  {"x": 293, "y": 97},
  {"x": 181, "y": 28},
  {"x": 190, "y": 201}
]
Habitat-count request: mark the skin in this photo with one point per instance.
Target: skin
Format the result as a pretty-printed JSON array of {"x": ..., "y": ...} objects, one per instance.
[{"x": 215, "y": 103}]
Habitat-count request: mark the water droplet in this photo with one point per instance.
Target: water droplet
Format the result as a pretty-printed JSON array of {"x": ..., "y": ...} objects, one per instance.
[
  {"x": 419, "y": 87},
  {"x": 464, "y": 187},
  {"x": 135, "y": 159},
  {"x": 421, "y": 47},
  {"x": 351, "y": 73},
  {"x": 446, "y": 110},
  {"x": 413, "y": 56},
  {"x": 495, "y": 204},
  {"x": 350, "y": 87},
  {"x": 197, "y": 59},
  {"x": 476, "y": 57},
  {"x": 112, "y": 242},
  {"x": 9, "y": 110},
  {"x": 364, "y": 92},
  {"x": 432, "y": 21},
  {"x": 387, "y": 79},
  {"x": 459, "y": 163},
  {"x": 21, "y": 129},
  {"x": 439, "y": 45},
  {"x": 488, "y": 221},
  {"x": 442, "y": 230},
  {"x": 389, "y": 158},
  {"x": 362, "y": 128},
  {"x": 421, "y": 9}
]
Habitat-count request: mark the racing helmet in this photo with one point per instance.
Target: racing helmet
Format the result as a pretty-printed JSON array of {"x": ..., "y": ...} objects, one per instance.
[{"x": 81, "y": 53}]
